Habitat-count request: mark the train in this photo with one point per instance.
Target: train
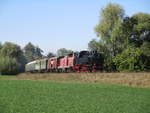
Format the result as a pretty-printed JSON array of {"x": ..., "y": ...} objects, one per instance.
[{"x": 83, "y": 61}]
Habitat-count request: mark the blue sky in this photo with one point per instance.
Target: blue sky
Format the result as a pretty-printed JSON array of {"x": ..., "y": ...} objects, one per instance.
[{"x": 54, "y": 24}]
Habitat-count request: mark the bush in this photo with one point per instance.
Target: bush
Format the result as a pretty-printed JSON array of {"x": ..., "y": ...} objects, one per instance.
[
  {"x": 9, "y": 66},
  {"x": 129, "y": 60}
]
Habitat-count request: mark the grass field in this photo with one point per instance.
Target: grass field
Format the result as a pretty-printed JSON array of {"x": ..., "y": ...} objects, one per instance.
[{"x": 27, "y": 96}]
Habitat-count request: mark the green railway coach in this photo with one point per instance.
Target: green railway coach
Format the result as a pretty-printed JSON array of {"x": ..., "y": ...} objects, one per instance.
[
  {"x": 37, "y": 65},
  {"x": 43, "y": 64},
  {"x": 30, "y": 67}
]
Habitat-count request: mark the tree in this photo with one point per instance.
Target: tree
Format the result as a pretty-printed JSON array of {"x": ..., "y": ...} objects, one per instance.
[
  {"x": 110, "y": 19},
  {"x": 141, "y": 30},
  {"x": 121, "y": 37},
  {"x": 145, "y": 48},
  {"x": 63, "y": 52},
  {"x": 1, "y": 46},
  {"x": 29, "y": 52},
  {"x": 38, "y": 53},
  {"x": 13, "y": 51},
  {"x": 109, "y": 16},
  {"x": 9, "y": 66},
  {"x": 32, "y": 52},
  {"x": 136, "y": 31},
  {"x": 94, "y": 45},
  {"x": 50, "y": 55},
  {"x": 108, "y": 29},
  {"x": 129, "y": 60}
]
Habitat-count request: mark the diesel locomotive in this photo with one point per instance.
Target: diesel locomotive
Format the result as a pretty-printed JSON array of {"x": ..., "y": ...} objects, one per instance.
[{"x": 83, "y": 61}]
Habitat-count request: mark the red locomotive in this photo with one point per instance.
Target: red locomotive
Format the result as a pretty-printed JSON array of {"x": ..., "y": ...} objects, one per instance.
[{"x": 83, "y": 61}]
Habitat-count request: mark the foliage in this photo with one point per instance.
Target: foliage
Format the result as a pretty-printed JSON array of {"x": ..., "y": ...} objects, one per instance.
[
  {"x": 108, "y": 29},
  {"x": 38, "y": 53},
  {"x": 32, "y": 52},
  {"x": 110, "y": 19},
  {"x": 29, "y": 51},
  {"x": 145, "y": 48},
  {"x": 119, "y": 36},
  {"x": 129, "y": 60},
  {"x": 9, "y": 66},
  {"x": 50, "y": 54},
  {"x": 110, "y": 15},
  {"x": 13, "y": 58},
  {"x": 13, "y": 51},
  {"x": 63, "y": 52},
  {"x": 126, "y": 30},
  {"x": 137, "y": 29},
  {"x": 1, "y": 46},
  {"x": 99, "y": 46}
]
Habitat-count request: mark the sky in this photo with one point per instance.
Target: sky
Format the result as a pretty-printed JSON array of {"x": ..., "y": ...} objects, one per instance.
[{"x": 54, "y": 24}]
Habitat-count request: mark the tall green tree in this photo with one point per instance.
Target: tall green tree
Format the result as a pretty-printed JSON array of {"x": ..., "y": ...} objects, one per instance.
[
  {"x": 63, "y": 52},
  {"x": 38, "y": 53},
  {"x": 1, "y": 46},
  {"x": 94, "y": 45},
  {"x": 29, "y": 52},
  {"x": 50, "y": 55},
  {"x": 130, "y": 60},
  {"x": 11, "y": 51},
  {"x": 145, "y": 48},
  {"x": 32, "y": 52},
  {"x": 136, "y": 31},
  {"x": 121, "y": 37},
  {"x": 141, "y": 29},
  {"x": 108, "y": 29},
  {"x": 109, "y": 23},
  {"x": 9, "y": 66}
]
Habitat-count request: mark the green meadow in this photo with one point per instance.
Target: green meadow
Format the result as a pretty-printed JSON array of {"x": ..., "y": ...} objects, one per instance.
[{"x": 26, "y": 96}]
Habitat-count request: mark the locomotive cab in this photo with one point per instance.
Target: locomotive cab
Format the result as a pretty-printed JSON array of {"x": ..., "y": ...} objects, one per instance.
[
  {"x": 97, "y": 59},
  {"x": 82, "y": 58},
  {"x": 88, "y": 61}
]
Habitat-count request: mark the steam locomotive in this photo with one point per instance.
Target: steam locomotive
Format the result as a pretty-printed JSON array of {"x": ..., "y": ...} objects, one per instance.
[{"x": 83, "y": 61}]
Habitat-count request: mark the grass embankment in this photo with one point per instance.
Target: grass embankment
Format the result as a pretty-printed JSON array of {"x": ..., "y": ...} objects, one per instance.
[
  {"x": 49, "y": 97},
  {"x": 130, "y": 79}
]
